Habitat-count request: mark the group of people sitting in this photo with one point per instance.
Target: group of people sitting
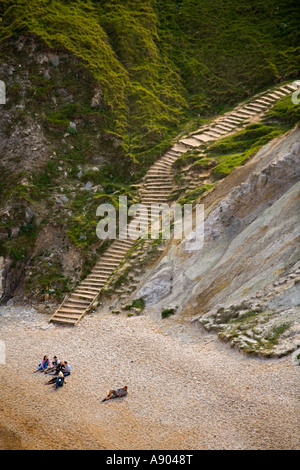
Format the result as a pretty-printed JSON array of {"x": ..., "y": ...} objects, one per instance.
[{"x": 59, "y": 369}]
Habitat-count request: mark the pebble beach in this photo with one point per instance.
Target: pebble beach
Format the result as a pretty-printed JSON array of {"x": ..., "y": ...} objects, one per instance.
[{"x": 186, "y": 389}]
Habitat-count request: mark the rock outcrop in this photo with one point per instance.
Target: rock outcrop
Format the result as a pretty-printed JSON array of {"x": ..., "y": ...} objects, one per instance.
[{"x": 244, "y": 281}]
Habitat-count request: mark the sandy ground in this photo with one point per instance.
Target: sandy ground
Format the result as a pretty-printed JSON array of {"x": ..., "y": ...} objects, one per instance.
[{"x": 187, "y": 390}]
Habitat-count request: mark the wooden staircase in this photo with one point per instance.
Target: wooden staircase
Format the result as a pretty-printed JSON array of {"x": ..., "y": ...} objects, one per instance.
[
  {"x": 158, "y": 184},
  {"x": 239, "y": 117}
]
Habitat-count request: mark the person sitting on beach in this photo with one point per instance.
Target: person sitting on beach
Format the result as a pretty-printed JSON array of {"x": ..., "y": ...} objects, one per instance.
[
  {"x": 59, "y": 381},
  {"x": 55, "y": 363},
  {"x": 119, "y": 393},
  {"x": 43, "y": 365},
  {"x": 54, "y": 380},
  {"x": 58, "y": 368},
  {"x": 66, "y": 369}
]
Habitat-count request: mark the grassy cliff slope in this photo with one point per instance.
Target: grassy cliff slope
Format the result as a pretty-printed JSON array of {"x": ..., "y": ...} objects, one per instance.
[{"x": 96, "y": 91}]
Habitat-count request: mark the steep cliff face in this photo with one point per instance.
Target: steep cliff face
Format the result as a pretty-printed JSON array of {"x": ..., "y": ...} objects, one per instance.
[
  {"x": 244, "y": 281},
  {"x": 55, "y": 160},
  {"x": 96, "y": 91}
]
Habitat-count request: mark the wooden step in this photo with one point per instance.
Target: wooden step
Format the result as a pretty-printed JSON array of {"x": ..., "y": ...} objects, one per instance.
[
  {"x": 104, "y": 269},
  {"x": 109, "y": 263},
  {"x": 160, "y": 179},
  {"x": 191, "y": 142},
  {"x": 278, "y": 94},
  {"x": 270, "y": 99},
  {"x": 233, "y": 119},
  {"x": 86, "y": 295},
  {"x": 78, "y": 302},
  {"x": 291, "y": 86},
  {"x": 239, "y": 115},
  {"x": 174, "y": 152},
  {"x": 219, "y": 130},
  {"x": 256, "y": 109},
  {"x": 247, "y": 112},
  {"x": 213, "y": 134},
  {"x": 75, "y": 305},
  {"x": 125, "y": 242},
  {"x": 69, "y": 313},
  {"x": 161, "y": 164},
  {"x": 96, "y": 283},
  {"x": 112, "y": 255},
  {"x": 285, "y": 90},
  {"x": 266, "y": 103},
  {"x": 92, "y": 288},
  {"x": 87, "y": 289},
  {"x": 99, "y": 276},
  {"x": 259, "y": 106},
  {"x": 117, "y": 251},
  {"x": 154, "y": 186},
  {"x": 226, "y": 126},
  {"x": 168, "y": 159},
  {"x": 64, "y": 321},
  {"x": 158, "y": 193}
]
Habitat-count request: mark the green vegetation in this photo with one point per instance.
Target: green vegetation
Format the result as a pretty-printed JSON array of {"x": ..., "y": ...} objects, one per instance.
[
  {"x": 167, "y": 312},
  {"x": 136, "y": 303},
  {"x": 273, "y": 335},
  {"x": 284, "y": 113},
  {"x": 233, "y": 151},
  {"x": 192, "y": 196},
  {"x": 251, "y": 330},
  {"x": 46, "y": 276},
  {"x": 228, "y": 153},
  {"x": 159, "y": 63}
]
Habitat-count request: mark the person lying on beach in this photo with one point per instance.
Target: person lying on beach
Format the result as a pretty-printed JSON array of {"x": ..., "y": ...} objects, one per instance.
[
  {"x": 43, "y": 365},
  {"x": 119, "y": 393},
  {"x": 55, "y": 363}
]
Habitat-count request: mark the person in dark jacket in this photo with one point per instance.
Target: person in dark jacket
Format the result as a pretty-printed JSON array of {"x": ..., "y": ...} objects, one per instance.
[{"x": 59, "y": 381}]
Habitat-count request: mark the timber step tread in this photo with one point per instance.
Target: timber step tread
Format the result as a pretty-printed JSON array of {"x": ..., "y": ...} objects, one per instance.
[
  {"x": 73, "y": 308},
  {"x": 64, "y": 321},
  {"x": 70, "y": 313},
  {"x": 84, "y": 294}
]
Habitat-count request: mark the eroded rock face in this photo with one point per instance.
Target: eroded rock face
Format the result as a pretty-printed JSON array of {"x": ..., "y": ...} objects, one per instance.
[
  {"x": 251, "y": 243},
  {"x": 267, "y": 322},
  {"x": 158, "y": 287}
]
